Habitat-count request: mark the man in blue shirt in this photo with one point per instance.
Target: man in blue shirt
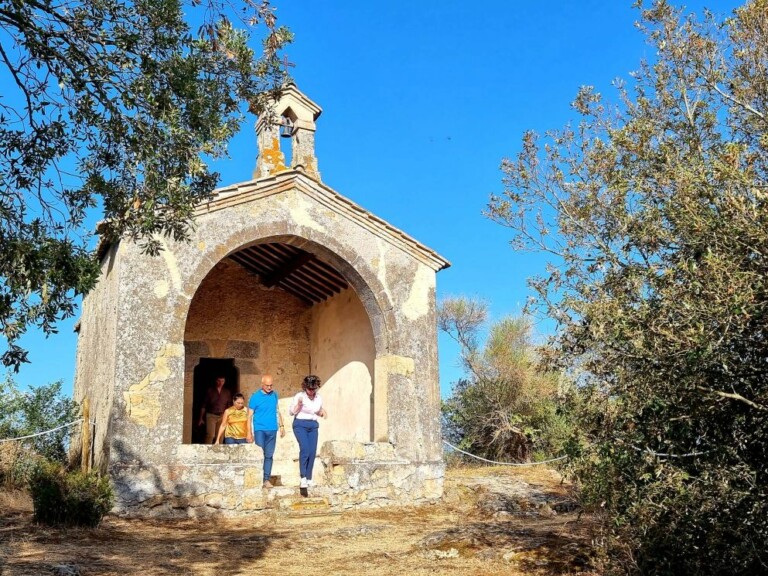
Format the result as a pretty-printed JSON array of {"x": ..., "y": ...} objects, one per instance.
[{"x": 263, "y": 423}]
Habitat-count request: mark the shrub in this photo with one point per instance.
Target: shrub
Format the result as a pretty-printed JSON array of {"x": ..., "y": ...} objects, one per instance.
[
  {"x": 69, "y": 498},
  {"x": 16, "y": 465},
  {"x": 506, "y": 408},
  {"x": 41, "y": 408}
]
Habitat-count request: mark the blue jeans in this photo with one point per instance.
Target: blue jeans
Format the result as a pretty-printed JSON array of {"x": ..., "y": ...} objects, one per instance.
[
  {"x": 228, "y": 440},
  {"x": 266, "y": 439},
  {"x": 306, "y": 434}
]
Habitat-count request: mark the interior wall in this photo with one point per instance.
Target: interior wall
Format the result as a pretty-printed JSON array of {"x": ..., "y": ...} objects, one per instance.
[
  {"x": 343, "y": 351},
  {"x": 265, "y": 331}
]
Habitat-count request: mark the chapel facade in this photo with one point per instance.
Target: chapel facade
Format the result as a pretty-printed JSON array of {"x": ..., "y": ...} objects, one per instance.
[{"x": 284, "y": 276}]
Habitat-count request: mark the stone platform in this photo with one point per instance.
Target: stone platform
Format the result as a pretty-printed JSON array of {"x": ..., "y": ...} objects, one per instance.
[{"x": 349, "y": 475}]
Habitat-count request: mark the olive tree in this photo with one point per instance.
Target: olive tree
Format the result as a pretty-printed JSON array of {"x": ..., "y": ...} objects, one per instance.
[
  {"x": 118, "y": 107},
  {"x": 654, "y": 212}
]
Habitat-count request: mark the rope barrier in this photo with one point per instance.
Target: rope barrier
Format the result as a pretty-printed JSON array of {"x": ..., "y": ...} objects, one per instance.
[
  {"x": 662, "y": 455},
  {"x": 45, "y": 432},
  {"x": 505, "y": 463}
]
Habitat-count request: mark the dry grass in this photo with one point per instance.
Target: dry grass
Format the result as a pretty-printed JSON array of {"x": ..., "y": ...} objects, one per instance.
[{"x": 492, "y": 521}]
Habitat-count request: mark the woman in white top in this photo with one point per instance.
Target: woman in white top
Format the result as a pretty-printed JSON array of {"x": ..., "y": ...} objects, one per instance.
[{"x": 307, "y": 409}]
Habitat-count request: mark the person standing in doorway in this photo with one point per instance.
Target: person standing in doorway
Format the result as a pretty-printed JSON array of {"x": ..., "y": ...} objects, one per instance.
[
  {"x": 217, "y": 400},
  {"x": 264, "y": 422},
  {"x": 234, "y": 425},
  {"x": 307, "y": 409}
]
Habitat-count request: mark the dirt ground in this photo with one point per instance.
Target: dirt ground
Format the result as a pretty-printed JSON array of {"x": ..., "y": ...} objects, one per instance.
[{"x": 491, "y": 521}]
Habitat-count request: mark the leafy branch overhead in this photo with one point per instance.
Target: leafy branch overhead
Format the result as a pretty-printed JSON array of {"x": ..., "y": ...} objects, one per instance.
[
  {"x": 654, "y": 211},
  {"x": 114, "y": 106}
]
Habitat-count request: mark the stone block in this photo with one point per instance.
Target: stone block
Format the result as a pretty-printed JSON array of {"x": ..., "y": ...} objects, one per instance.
[
  {"x": 379, "y": 493},
  {"x": 230, "y": 501},
  {"x": 252, "y": 478},
  {"x": 337, "y": 475},
  {"x": 242, "y": 349},
  {"x": 247, "y": 367},
  {"x": 379, "y": 451},
  {"x": 254, "y": 502},
  {"x": 342, "y": 451},
  {"x": 214, "y": 500},
  {"x": 432, "y": 489},
  {"x": 197, "y": 348}
]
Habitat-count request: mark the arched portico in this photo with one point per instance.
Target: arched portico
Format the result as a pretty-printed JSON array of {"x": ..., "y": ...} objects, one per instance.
[{"x": 281, "y": 306}]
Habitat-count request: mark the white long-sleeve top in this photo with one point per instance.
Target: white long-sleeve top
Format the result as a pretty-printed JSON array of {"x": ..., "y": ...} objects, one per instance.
[{"x": 309, "y": 407}]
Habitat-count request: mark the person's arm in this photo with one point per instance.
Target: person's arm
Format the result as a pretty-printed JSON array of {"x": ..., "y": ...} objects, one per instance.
[
  {"x": 222, "y": 426},
  {"x": 201, "y": 421},
  {"x": 250, "y": 425},
  {"x": 321, "y": 412},
  {"x": 280, "y": 422},
  {"x": 296, "y": 405}
]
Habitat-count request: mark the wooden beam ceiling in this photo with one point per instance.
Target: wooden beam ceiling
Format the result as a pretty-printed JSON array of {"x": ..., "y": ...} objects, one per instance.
[{"x": 292, "y": 269}]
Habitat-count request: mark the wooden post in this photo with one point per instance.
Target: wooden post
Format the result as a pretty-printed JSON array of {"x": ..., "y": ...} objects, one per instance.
[{"x": 85, "y": 436}]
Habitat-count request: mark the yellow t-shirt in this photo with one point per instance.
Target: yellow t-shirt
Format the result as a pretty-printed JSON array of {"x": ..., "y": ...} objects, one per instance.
[{"x": 237, "y": 423}]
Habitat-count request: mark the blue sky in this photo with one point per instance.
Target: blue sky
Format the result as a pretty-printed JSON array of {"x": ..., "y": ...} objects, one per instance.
[{"x": 421, "y": 101}]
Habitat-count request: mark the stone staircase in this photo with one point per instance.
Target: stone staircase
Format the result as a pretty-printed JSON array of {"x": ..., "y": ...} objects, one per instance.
[{"x": 294, "y": 501}]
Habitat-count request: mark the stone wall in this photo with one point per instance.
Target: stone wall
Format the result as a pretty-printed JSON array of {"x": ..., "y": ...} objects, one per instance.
[
  {"x": 96, "y": 355},
  {"x": 226, "y": 481}
]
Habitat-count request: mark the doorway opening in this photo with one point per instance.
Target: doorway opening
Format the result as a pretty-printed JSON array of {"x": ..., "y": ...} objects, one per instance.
[{"x": 205, "y": 375}]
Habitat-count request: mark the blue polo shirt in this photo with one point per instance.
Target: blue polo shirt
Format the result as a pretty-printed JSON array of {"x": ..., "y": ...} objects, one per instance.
[{"x": 264, "y": 408}]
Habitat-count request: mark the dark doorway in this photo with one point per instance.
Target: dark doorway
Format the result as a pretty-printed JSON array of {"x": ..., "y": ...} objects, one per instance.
[{"x": 205, "y": 376}]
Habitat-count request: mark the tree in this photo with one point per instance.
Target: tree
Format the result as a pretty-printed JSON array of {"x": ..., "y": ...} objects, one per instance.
[
  {"x": 42, "y": 408},
  {"x": 115, "y": 106},
  {"x": 505, "y": 408},
  {"x": 654, "y": 213}
]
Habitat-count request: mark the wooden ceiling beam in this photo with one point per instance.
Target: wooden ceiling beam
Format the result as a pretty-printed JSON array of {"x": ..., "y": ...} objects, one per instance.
[{"x": 286, "y": 269}]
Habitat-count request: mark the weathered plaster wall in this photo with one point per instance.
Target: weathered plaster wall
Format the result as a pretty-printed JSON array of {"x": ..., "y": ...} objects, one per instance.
[
  {"x": 411, "y": 370},
  {"x": 343, "y": 353},
  {"x": 266, "y": 331},
  {"x": 95, "y": 363}
]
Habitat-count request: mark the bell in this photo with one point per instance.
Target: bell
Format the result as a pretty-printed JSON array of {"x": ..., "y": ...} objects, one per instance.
[{"x": 286, "y": 127}]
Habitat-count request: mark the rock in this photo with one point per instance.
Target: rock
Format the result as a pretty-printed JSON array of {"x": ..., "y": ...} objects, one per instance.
[
  {"x": 66, "y": 570},
  {"x": 487, "y": 554},
  {"x": 441, "y": 554},
  {"x": 545, "y": 511},
  {"x": 509, "y": 556},
  {"x": 362, "y": 530}
]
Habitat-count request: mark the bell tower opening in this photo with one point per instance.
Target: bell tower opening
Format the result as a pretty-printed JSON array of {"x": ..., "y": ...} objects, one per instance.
[
  {"x": 291, "y": 118},
  {"x": 287, "y": 130}
]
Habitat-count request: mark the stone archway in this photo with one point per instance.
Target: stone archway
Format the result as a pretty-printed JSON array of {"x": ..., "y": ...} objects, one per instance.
[{"x": 289, "y": 328}]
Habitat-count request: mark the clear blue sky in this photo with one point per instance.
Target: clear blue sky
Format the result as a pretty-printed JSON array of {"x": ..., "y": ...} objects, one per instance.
[{"x": 421, "y": 100}]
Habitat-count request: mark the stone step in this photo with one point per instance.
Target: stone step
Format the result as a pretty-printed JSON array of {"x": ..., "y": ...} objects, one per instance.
[{"x": 306, "y": 506}]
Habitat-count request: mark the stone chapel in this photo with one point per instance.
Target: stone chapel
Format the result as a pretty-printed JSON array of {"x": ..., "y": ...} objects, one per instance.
[{"x": 284, "y": 276}]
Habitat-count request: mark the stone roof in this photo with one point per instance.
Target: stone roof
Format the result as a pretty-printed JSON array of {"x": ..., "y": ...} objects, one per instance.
[{"x": 295, "y": 179}]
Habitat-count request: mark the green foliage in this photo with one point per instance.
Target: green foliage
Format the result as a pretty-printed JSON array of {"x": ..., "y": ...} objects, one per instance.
[
  {"x": 655, "y": 212},
  {"x": 16, "y": 465},
  {"x": 62, "y": 498},
  {"x": 117, "y": 106},
  {"x": 39, "y": 409},
  {"x": 506, "y": 408}
]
